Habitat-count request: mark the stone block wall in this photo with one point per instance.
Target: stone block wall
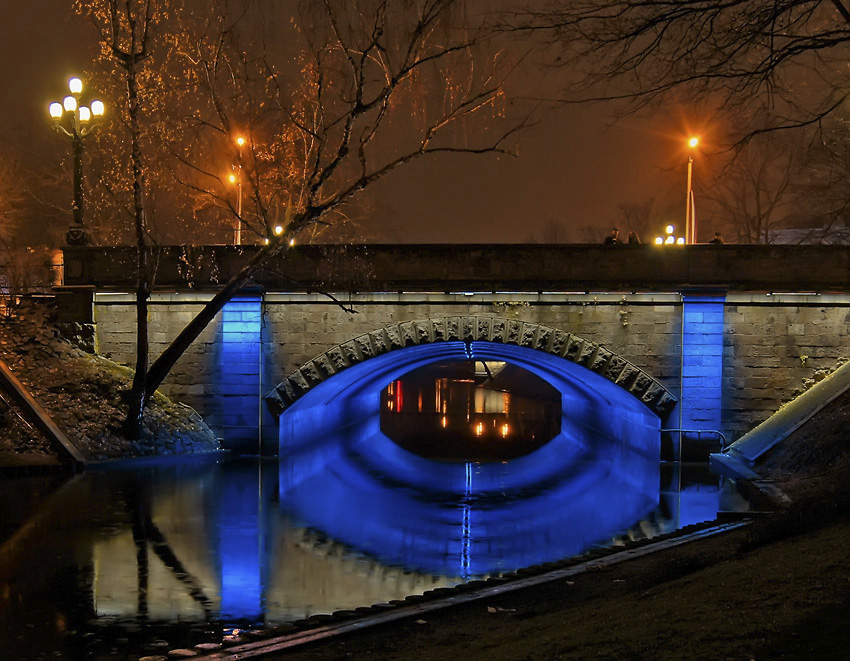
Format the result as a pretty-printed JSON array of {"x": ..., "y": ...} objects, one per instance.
[
  {"x": 774, "y": 346},
  {"x": 770, "y": 344}
]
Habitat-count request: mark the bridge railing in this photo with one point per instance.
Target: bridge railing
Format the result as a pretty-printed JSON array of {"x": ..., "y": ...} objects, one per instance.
[{"x": 698, "y": 433}]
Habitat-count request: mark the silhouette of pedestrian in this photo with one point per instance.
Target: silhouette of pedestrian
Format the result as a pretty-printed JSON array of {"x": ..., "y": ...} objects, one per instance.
[{"x": 613, "y": 238}]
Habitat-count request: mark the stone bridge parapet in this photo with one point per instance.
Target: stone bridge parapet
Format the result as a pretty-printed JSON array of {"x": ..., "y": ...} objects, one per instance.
[{"x": 484, "y": 267}]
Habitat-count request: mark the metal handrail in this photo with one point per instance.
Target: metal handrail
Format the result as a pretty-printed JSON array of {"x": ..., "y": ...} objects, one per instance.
[{"x": 699, "y": 432}]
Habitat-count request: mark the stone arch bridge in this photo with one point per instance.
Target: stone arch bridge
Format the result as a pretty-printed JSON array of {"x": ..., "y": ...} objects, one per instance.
[{"x": 707, "y": 337}]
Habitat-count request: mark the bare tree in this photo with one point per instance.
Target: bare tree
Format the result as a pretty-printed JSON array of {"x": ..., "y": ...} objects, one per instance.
[
  {"x": 638, "y": 217},
  {"x": 553, "y": 231},
  {"x": 824, "y": 207},
  {"x": 760, "y": 190},
  {"x": 125, "y": 27},
  {"x": 786, "y": 55},
  {"x": 13, "y": 200},
  {"x": 590, "y": 234},
  {"x": 346, "y": 107}
]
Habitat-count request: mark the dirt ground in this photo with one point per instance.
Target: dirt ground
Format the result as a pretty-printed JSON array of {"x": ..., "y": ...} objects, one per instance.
[{"x": 776, "y": 589}]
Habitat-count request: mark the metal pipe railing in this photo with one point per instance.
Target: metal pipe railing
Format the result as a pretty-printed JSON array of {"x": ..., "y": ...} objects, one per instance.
[{"x": 698, "y": 432}]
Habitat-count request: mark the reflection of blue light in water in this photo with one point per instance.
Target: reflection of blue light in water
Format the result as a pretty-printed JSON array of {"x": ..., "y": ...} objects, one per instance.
[
  {"x": 582, "y": 499},
  {"x": 239, "y": 545},
  {"x": 243, "y": 553},
  {"x": 464, "y": 558},
  {"x": 340, "y": 474},
  {"x": 697, "y": 503}
]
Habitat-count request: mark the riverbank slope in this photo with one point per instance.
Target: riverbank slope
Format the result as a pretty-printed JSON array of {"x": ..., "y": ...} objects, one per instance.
[{"x": 82, "y": 394}]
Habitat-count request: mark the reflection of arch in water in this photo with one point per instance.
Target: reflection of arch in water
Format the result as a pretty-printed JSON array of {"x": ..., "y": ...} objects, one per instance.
[
  {"x": 343, "y": 476},
  {"x": 496, "y": 330}
]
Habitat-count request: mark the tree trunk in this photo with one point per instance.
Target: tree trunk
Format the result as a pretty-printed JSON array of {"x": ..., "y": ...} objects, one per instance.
[
  {"x": 138, "y": 393},
  {"x": 169, "y": 357}
]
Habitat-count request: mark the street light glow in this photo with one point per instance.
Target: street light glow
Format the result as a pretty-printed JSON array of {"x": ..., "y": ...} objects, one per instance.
[
  {"x": 97, "y": 108},
  {"x": 69, "y": 103},
  {"x": 56, "y": 110},
  {"x": 670, "y": 237},
  {"x": 693, "y": 142},
  {"x": 75, "y": 85},
  {"x": 240, "y": 141},
  {"x": 85, "y": 114}
]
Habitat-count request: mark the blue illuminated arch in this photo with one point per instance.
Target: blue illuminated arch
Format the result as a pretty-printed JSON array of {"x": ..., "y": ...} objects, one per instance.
[
  {"x": 451, "y": 330},
  {"x": 332, "y": 449}
]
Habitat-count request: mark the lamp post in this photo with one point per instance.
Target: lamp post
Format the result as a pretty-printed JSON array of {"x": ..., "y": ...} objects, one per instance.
[
  {"x": 237, "y": 179},
  {"x": 690, "y": 208},
  {"x": 76, "y": 121}
]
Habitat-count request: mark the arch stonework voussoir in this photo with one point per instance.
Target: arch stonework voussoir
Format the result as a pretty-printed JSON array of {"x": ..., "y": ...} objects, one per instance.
[{"x": 499, "y": 330}]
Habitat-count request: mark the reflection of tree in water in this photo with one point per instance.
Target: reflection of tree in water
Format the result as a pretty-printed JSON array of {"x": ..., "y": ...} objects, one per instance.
[
  {"x": 147, "y": 536},
  {"x": 470, "y": 411}
]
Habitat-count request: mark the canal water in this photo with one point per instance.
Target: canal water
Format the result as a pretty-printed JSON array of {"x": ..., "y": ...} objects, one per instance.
[
  {"x": 469, "y": 469},
  {"x": 128, "y": 563}
]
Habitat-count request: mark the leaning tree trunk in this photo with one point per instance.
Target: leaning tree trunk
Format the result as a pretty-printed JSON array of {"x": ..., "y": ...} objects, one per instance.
[{"x": 169, "y": 357}]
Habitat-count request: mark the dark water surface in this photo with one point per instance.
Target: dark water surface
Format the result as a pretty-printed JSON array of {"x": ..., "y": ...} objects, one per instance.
[{"x": 127, "y": 563}]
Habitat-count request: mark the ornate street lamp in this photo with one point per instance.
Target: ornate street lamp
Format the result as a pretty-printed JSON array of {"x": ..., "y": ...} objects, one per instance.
[{"x": 76, "y": 121}]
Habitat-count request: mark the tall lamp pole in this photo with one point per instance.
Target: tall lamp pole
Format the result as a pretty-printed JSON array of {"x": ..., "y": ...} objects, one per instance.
[
  {"x": 76, "y": 121},
  {"x": 237, "y": 226},
  {"x": 690, "y": 208}
]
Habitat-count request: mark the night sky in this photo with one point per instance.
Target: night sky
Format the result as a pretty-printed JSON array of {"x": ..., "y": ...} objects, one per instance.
[{"x": 574, "y": 167}]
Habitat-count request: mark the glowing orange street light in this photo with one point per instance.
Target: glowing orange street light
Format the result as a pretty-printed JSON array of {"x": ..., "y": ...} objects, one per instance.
[
  {"x": 690, "y": 208},
  {"x": 236, "y": 178}
]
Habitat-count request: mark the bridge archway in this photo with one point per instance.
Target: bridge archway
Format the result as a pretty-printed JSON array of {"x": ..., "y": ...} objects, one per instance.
[
  {"x": 445, "y": 334},
  {"x": 332, "y": 448}
]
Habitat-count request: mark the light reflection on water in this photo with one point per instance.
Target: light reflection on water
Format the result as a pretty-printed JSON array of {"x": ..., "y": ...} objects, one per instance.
[{"x": 172, "y": 554}]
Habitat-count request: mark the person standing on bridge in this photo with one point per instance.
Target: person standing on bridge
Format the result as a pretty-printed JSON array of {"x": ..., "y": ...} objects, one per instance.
[{"x": 613, "y": 238}]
